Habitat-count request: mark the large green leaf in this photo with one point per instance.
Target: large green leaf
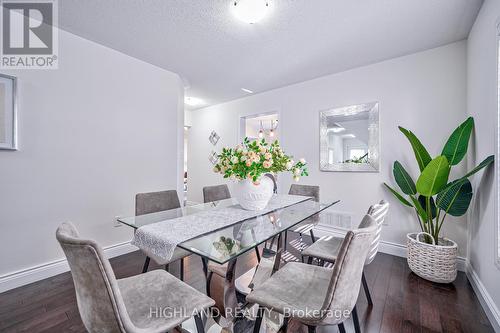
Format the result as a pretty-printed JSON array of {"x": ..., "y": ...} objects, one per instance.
[
  {"x": 456, "y": 146},
  {"x": 421, "y": 154},
  {"x": 434, "y": 177},
  {"x": 455, "y": 198},
  {"x": 481, "y": 165},
  {"x": 420, "y": 209},
  {"x": 399, "y": 196},
  {"x": 423, "y": 201},
  {"x": 403, "y": 179}
]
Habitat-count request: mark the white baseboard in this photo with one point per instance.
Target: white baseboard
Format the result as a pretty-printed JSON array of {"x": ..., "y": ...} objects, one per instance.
[
  {"x": 43, "y": 271},
  {"x": 394, "y": 249},
  {"x": 484, "y": 297}
]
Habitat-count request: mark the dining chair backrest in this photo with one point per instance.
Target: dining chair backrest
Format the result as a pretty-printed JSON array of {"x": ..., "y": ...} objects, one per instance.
[
  {"x": 378, "y": 212},
  {"x": 305, "y": 190},
  {"x": 98, "y": 296},
  {"x": 152, "y": 202},
  {"x": 345, "y": 282},
  {"x": 216, "y": 193}
]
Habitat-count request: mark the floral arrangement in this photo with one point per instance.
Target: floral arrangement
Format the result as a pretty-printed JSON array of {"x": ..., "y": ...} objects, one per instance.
[
  {"x": 252, "y": 159},
  {"x": 226, "y": 246}
]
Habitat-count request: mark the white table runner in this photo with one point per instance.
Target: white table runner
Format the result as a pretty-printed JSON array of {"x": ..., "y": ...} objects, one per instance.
[{"x": 159, "y": 240}]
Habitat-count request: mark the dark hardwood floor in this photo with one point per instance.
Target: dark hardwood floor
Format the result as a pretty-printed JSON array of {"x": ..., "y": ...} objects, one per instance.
[{"x": 403, "y": 302}]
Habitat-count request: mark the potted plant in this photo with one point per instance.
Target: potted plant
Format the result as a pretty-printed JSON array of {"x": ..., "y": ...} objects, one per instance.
[
  {"x": 248, "y": 162},
  {"x": 434, "y": 197}
]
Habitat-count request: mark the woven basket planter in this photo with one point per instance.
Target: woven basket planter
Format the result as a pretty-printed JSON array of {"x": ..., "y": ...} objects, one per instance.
[{"x": 437, "y": 263}]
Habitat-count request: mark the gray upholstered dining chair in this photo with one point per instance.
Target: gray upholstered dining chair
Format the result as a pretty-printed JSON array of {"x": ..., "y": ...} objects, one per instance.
[
  {"x": 216, "y": 193},
  {"x": 327, "y": 249},
  {"x": 135, "y": 304},
  {"x": 315, "y": 295},
  {"x": 306, "y": 226},
  {"x": 152, "y": 202}
]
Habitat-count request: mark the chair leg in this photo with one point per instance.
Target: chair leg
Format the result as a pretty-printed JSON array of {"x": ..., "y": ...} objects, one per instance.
[
  {"x": 205, "y": 266},
  {"x": 146, "y": 265},
  {"x": 199, "y": 323},
  {"x": 284, "y": 327},
  {"x": 209, "y": 279},
  {"x": 311, "y": 329},
  {"x": 309, "y": 260},
  {"x": 302, "y": 258},
  {"x": 367, "y": 291},
  {"x": 341, "y": 327},
  {"x": 167, "y": 266},
  {"x": 272, "y": 243},
  {"x": 182, "y": 269},
  {"x": 258, "y": 320},
  {"x": 257, "y": 253},
  {"x": 355, "y": 320},
  {"x": 312, "y": 236},
  {"x": 286, "y": 241}
]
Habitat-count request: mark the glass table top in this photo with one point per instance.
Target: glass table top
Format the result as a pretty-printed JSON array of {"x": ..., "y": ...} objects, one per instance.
[
  {"x": 229, "y": 242},
  {"x": 225, "y": 244},
  {"x": 142, "y": 220}
]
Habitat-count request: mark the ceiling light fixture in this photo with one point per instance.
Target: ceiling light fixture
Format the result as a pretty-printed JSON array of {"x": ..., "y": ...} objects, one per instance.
[
  {"x": 247, "y": 90},
  {"x": 273, "y": 127},
  {"x": 337, "y": 128},
  {"x": 271, "y": 132},
  {"x": 193, "y": 101},
  {"x": 250, "y": 11}
]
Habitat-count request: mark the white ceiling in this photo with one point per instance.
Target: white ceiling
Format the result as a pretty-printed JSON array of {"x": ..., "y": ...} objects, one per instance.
[{"x": 217, "y": 55}]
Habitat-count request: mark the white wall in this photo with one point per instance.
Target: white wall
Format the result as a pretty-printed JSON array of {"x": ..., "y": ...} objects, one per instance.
[
  {"x": 425, "y": 92},
  {"x": 92, "y": 134},
  {"x": 482, "y": 104}
]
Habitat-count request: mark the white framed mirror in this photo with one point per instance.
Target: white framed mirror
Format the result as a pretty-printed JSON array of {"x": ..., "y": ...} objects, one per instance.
[{"x": 350, "y": 138}]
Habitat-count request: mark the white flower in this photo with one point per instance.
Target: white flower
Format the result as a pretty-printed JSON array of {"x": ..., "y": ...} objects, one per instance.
[
  {"x": 289, "y": 165},
  {"x": 296, "y": 171},
  {"x": 239, "y": 148},
  {"x": 234, "y": 159},
  {"x": 296, "y": 178},
  {"x": 243, "y": 158},
  {"x": 267, "y": 164},
  {"x": 302, "y": 160}
]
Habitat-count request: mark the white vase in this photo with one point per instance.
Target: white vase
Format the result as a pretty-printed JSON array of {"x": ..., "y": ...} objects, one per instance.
[{"x": 251, "y": 196}]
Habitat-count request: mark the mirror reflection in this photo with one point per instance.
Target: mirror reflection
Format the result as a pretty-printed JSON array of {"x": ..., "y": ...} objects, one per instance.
[{"x": 349, "y": 138}]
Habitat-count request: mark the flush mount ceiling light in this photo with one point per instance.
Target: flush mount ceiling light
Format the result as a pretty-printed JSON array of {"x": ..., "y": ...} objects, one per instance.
[
  {"x": 193, "y": 101},
  {"x": 247, "y": 90},
  {"x": 250, "y": 11}
]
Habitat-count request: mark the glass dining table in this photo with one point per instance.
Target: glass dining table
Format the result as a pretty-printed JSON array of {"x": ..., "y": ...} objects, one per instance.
[{"x": 221, "y": 248}]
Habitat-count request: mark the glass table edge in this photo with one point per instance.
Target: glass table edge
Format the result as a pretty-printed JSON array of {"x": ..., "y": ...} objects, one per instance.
[
  {"x": 122, "y": 219},
  {"x": 223, "y": 262}
]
